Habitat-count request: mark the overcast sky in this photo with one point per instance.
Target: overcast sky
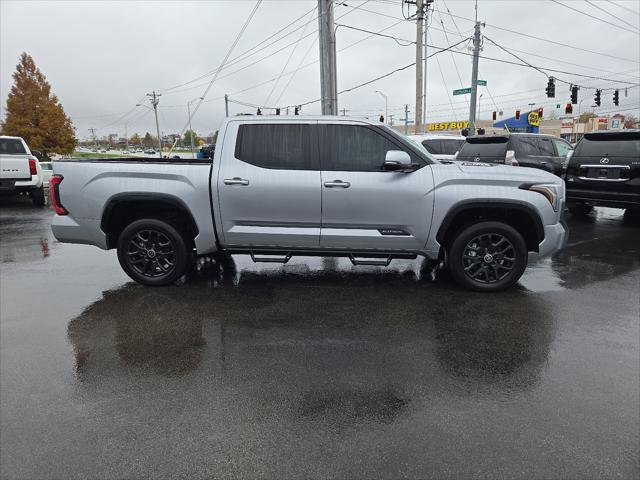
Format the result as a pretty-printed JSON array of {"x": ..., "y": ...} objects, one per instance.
[{"x": 101, "y": 58}]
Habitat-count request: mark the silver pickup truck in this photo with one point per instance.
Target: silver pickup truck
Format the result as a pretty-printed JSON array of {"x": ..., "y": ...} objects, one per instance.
[{"x": 329, "y": 186}]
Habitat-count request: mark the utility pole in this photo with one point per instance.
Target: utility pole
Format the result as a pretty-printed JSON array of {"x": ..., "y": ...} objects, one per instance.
[
  {"x": 474, "y": 79},
  {"x": 327, "y": 41},
  {"x": 126, "y": 138},
  {"x": 391, "y": 120},
  {"x": 191, "y": 129},
  {"x": 344, "y": 112},
  {"x": 424, "y": 73},
  {"x": 406, "y": 119},
  {"x": 93, "y": 135},
  {"x": 154, "y": 101},
  {"x": 419, "y": 65},
  {"x": 226, "y": 105}
]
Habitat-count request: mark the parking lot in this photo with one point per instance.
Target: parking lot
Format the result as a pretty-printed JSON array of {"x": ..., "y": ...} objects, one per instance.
[{"x": 318, "y": 369}]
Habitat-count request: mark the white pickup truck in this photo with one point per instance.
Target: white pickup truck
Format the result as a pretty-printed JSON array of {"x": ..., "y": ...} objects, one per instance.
[
  {"x": 330, "y": 186},
  {"x": 20, "y": 171}
]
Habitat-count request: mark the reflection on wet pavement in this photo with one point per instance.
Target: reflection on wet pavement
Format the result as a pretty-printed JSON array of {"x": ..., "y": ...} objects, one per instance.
[{"x": 318, "y": 368}]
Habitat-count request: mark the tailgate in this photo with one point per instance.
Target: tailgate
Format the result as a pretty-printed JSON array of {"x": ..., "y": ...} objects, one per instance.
[{"x": 14, "y": 167}]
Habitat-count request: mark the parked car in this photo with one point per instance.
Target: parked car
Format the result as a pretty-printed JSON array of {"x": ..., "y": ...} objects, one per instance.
[
  {"x": 206, "y": 151},
  {"x": 604, "y": 170},
  {"x": 545, "y": 152},
  {"x": 311, "y": 186},
  {"x": 442, "y": 147},
  {"x": 150, "y": 151},
  {"x": 47, "y": 171},
  {"x": 20, "y": 171}
]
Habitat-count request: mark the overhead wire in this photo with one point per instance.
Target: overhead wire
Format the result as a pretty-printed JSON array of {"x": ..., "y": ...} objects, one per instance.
[
  {"x": 596, "y": 18},
  {"x": 611, "y": 14}
]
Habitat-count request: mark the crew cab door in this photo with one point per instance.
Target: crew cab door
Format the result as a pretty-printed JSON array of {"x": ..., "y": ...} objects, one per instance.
[
  {"x": 269, "y": 185},
  {"x": 363, "y": 206}
]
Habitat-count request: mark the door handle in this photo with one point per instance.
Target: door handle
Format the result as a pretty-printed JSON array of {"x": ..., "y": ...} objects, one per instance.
[
  {"x": 236, "y": 181},
  {"x": 337, "y": 184}
]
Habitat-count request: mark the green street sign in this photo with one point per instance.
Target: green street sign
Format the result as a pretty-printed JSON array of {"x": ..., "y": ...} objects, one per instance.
[
  {"x": 482, "y": 83},
  {"x": 557, "y": 105},
  {"x": 462, "y": 91}
]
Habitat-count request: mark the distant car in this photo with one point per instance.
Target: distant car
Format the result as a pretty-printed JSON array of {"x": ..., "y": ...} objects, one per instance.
[
  {"x": 126, "y": 152},
  {"x": 150, "y": 151},
  {"x": 47, "y": 171},
  {"x": 442, "y": 147},
  {"x": 206, "y": 151},
  {"x": 20, "y": 170},
  {"x": 545, "y": 152},
  {"x": 604, "y": 170}
]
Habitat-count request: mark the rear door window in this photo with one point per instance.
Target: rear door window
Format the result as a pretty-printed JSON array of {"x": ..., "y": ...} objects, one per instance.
[
  {"x": 451, "y": 146},
  {"x": 11, "y": 146},
  {"x": 432, "y": 145},
  {"x": 276, "y": 146},
  {"x": 527, "y": 147},
  {"x": 546, "y": 147}
]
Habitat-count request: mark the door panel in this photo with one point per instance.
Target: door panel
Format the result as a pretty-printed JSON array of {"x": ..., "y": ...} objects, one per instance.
[
  {"x": 373, "y": 209},
  {"x": 270, "y": 207}
]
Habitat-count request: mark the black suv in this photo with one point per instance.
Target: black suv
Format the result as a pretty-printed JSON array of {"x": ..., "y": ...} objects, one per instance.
[
  {"x": 524, "y": 149},
  {"x": 604, "y": 170}
]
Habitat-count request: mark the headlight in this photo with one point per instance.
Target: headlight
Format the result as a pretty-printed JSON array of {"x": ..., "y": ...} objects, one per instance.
[{"x": 553, "y": 192}]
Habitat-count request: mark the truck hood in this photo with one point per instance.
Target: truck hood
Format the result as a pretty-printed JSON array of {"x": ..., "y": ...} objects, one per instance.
[{"x": 468, "y": 173}]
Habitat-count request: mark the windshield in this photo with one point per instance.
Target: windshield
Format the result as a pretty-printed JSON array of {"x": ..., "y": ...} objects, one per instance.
[
  {"x": 451, "y": 145},
  {"x": 494, "y": 148}
]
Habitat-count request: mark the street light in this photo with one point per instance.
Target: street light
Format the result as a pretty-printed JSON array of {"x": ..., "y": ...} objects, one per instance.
[
  {"x": 479, "y": 100},
  {"x": 386, "y": 105},
  {"x": 191, "y": 129}
]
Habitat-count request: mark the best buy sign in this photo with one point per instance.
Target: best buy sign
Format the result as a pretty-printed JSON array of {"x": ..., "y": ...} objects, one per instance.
[{"x": 448, "y": 126}]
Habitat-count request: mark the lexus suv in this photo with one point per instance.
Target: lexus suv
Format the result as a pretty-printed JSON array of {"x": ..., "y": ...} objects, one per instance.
[
  {"x": 545, "y": 152},
  {"x": 604, "y": 170}
]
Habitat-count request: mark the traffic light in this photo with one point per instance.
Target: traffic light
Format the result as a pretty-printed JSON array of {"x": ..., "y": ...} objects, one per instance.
[
  {"x": 259, "y": 112},
  {"x": 495, "y": 116},
  {"x": 596, "y": 98},
  {"x": 277, "y": 111},
  {"x": 574, "y": 94},
  {"x": 540, "y": 112},
  {"x": 616, "y": 98},
  {"x": 296, "y": 110},
  {"x": 517, "y": 114},
  {"x": 568, "y": 109},
  {"x": 481, "y": 131},
  {"x": 381, "y": 119},
  {"x": 551, "y": 88}
]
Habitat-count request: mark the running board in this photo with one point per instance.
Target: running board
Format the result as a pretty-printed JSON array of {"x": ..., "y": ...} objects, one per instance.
[
  {"x": 376, "y": 262},
  {"x": 270, "y": 258}
]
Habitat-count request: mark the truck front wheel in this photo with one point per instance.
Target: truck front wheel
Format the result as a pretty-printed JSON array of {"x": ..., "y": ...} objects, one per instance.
[
  {"x": 488, "y": 256},
  {"x": 152, "y": 252}
]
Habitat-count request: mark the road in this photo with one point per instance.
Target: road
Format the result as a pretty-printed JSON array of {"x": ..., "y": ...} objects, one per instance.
[{"x": 318, "y": 369}]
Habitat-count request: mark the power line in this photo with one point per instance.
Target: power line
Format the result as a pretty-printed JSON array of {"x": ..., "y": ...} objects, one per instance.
[
  {"x": 623, "y": 7},
  {"x": 291, "y": 77},
  {"x": 553, "y": 42},
  {"x": 597, "y": 18},
  {"x": 611, "y": 14}
]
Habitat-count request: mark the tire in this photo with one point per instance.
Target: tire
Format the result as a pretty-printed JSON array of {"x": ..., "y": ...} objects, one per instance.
[
  {"x": 152, "y": 252},
  {"x": 580, "y": 209},
  {"x": 37, "y": 197},
  {"x": 499, "y": 257}
]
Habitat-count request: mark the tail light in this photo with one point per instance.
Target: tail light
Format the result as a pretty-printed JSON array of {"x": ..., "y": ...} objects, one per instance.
[
  {"x": 32, "y": 166},
  {"x": 54, "y": 194}
]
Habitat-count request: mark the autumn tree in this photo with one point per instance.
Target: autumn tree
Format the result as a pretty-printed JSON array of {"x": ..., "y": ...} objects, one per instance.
[
  {"x": 35, "y": 114},
  {"x": 630, "y": 121},
  {"x": 135, "y": 139}
]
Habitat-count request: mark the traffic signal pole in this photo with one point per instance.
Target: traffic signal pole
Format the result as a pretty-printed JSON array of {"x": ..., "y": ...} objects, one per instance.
[
  {"x": 327, "y": 41},
  {"x": 419, "y": 64},
  {"x": 474, "y": 79}
]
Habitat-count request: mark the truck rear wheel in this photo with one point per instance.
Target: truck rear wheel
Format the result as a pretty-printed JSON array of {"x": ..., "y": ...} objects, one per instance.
[
  {"x": 152, "y": 252},
  {"x": 488, "y": 256}
]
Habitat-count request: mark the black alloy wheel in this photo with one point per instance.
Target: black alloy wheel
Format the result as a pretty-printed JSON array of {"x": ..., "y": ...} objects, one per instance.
[
  {"x": 488, "y": 256},
  {"x": 152, "y": 252}
]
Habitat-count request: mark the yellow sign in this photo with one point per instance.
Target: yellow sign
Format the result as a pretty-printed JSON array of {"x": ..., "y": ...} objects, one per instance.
[
  {"x": 448, "y": 126},
  {"x": 533, "y": 118}
]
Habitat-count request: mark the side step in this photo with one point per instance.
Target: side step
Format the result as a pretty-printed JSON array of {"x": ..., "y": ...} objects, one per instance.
[
  {"x": 376, "y": 262},
  {"x": 266, "y": 258}
]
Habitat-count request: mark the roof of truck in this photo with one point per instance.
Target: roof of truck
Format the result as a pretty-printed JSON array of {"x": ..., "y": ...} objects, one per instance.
[{"x": 301, "y": 118}]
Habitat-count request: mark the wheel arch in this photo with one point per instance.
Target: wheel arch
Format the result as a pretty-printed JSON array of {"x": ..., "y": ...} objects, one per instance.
[
  {"x": 124, "y": 208},
  {"x": 519, "y": 215}
]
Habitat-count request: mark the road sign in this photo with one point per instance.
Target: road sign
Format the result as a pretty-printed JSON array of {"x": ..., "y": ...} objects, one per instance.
[
  {"x": 462, "y": 91},
  {"x": 481, "y": 83}
]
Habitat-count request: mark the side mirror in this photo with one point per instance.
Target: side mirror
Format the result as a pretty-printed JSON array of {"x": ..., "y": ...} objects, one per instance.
[{"x": 396, "y": 160}]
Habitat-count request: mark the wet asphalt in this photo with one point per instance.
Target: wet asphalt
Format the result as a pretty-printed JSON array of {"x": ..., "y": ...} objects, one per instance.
[{"x": 318, "y": 369}]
